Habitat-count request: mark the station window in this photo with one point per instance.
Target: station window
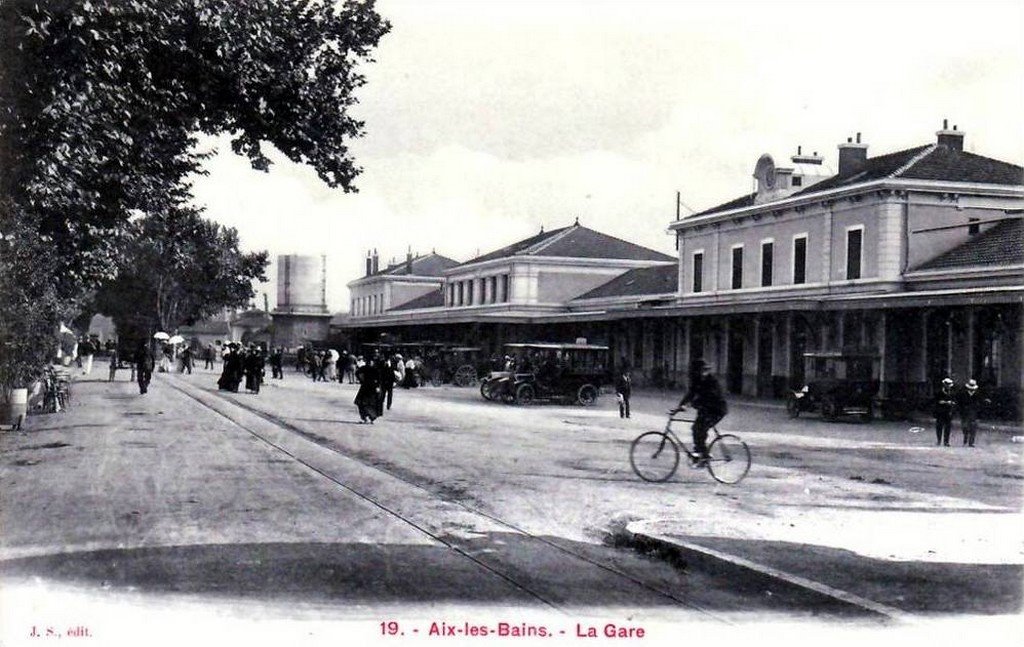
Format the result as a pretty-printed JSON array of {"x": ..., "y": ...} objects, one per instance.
[
  {"x": 800, "y": 259},
  {"x": 854, "y": 250},
  {"x": 767, "y": 262},
  {"x": 737, "y": 267},
  {"x": 698, "y": 271}
]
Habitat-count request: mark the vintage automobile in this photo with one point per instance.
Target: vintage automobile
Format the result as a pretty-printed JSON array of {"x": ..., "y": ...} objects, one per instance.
[
  {"x": 547, "y": 371},
  {"x": 837, "y": 384}
]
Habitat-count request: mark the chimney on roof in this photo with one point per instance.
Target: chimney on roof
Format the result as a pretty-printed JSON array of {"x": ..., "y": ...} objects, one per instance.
[
  {"x": 852, "y": 156},
  {"x": 369, "y": 264},
  {"x": 951, "y": 139},
  {"x": 800, "y": 158},
  {"x": 408, "y": 261},
  {"x": 376, "y": 262}
]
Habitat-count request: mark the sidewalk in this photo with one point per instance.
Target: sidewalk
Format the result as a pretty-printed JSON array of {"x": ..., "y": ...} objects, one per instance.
[{"x": 669, "y": 398}]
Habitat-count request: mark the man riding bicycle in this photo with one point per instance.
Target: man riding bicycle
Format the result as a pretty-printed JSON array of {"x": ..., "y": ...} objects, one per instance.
[{"x": 705, "y": 395}]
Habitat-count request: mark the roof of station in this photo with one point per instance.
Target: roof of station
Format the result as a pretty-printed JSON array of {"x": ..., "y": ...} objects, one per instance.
[
  {"x": 660, "y": 279},
  {"x": 1003, "y": 244},
  {"x": 935, "y": 162},
  {"x": 575, "y": 241}
]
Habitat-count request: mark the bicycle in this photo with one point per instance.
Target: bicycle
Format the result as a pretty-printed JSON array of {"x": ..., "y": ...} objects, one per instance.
[
  {"x": 57, "y": 391},
  {"x": 654, "y": 455}
]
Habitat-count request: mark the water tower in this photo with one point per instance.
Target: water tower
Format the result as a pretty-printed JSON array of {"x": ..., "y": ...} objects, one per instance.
[{"x": 301, "y": 315}]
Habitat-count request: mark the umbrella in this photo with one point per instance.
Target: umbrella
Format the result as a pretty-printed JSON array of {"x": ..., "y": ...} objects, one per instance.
[
  {"x": 161, "y": 335},
  {"x": 177, "y": 339}
]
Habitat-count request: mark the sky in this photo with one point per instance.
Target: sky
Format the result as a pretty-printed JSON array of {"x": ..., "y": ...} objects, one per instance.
[{"x": 488, "y": 120}]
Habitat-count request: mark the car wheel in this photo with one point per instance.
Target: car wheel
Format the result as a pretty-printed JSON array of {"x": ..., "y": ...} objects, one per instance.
[
  {"x": 524, "y": 394},
  {"x": 793, "y": 407},
  {"x": 587, "y": 395},
  {"x": 829, "y": 410}
]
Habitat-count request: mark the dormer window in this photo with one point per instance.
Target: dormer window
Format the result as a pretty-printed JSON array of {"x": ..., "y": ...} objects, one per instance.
[{"x": 797, "y": 180}]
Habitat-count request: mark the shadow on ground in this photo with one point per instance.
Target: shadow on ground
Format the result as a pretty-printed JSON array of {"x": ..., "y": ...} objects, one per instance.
[
  {"x": 511, "y": 569},
  {"x": 911, "y": 586}
]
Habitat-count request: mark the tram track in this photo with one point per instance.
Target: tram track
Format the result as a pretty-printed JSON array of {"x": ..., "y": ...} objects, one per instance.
[{"x": 500, "y": 569}]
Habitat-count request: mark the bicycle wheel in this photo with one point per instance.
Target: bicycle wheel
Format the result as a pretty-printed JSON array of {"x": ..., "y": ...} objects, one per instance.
[
  {"x": 654, "y": 456},
  {"x": 730, "y": 459}
]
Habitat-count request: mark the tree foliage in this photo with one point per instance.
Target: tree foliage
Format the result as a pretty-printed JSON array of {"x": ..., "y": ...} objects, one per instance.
[
  {"x": 102, "y": 101},
  {"x": 176, "y": 269}
]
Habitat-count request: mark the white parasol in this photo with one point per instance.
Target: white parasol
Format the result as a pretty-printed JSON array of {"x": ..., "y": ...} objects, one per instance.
[
  {"x": 161, "y": 335},
  {"x": 177, "y": 339}
]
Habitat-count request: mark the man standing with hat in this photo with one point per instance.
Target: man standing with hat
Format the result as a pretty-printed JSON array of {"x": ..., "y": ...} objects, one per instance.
[
  {"x": 945, "y": 400},
  {"x": 970, "y": 403}
]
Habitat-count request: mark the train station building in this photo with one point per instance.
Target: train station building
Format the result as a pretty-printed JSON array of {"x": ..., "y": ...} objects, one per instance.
[{"x": 913, "y": 257}]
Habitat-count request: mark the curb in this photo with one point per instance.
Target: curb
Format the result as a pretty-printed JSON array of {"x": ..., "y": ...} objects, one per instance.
[{"x": 681, "y": 551}]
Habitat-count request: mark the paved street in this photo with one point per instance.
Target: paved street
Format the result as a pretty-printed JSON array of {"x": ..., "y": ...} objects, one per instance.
[{"x": 282, "y": 505}]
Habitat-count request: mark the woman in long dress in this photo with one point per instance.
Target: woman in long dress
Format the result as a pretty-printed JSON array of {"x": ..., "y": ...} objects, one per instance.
[
  {"x": 368, "y": 397},
  {"x": 254, "y": 368}
]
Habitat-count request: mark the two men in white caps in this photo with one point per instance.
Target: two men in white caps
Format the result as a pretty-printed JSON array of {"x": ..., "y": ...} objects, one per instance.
[{"x": 968, "y": 402}]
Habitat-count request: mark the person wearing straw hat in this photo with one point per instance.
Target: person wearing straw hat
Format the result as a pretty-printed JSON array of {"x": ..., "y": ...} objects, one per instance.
[
  {"x": 945, "y": 401},
  {"x": 969, "y": 403}
]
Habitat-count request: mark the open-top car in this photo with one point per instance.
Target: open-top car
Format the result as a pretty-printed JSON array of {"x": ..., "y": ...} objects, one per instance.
[
  {"x": 551, "y": 371},
  {"x": 837, "y": 384}
]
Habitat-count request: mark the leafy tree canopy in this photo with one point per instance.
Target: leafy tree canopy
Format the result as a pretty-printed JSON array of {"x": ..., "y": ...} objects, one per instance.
[
  {"x": 101, "y": 103},
  {"x": 177, "y": 268}
]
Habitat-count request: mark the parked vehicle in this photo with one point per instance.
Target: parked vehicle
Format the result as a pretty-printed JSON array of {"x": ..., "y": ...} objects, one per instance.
[
  {"x": 837, "y": 384},
  {"x": 458, "y": 365},
  {"x": 551, "y": 372}
]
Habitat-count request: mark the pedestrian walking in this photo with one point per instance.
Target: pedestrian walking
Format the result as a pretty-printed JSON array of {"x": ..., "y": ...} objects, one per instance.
[
  {"x": 386, "y": 378},
  {"x": 945, "y": 402},
  {"x": 277, "y": 363},
  {"x": 186, "y": 360},
  {"x": 114, "y": 359},
  {"x": 208, "y": 354},
  {"x": 165, "y": 358},
  {"x": 350, "y": 367},
  {"x": 623, "y": 389},
  {"x": 411, "y": 379},
  {"x": 330, "y": 365},
  {"x": 969, "y": 404},
  {"x": 144, "y": 363},
  {"x": 86, "y": 350},
  {"x": 399, "y": 364},
  {"x": 368, "y": 396},
  {"x": 254, "y": 369}
]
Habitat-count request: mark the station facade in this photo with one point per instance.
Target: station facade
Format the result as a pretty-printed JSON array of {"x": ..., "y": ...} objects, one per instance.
[{"x": 915, "y": 257}]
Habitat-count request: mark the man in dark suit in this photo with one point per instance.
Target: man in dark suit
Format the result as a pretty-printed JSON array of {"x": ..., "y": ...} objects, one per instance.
[{"x": 144, "y": 363}]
